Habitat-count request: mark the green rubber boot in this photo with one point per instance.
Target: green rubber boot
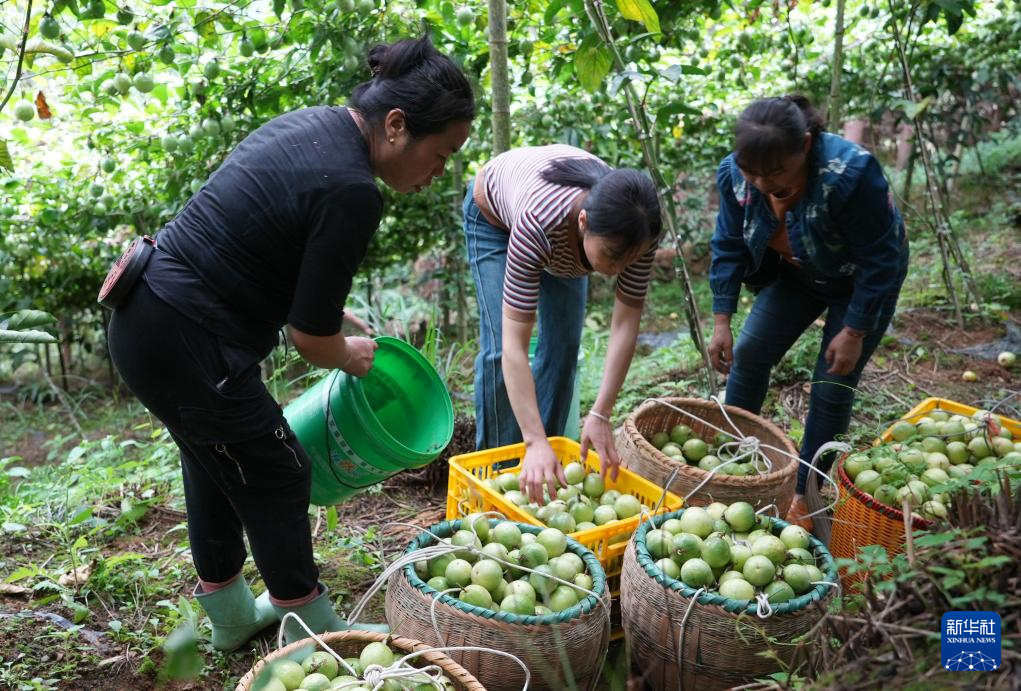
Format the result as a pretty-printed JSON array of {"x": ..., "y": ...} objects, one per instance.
[
  {"x": 320, "y": 617},
  {"x": 235, "y": 614}
]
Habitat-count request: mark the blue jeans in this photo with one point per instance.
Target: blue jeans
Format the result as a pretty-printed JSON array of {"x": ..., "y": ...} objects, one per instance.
[
  {"x": 561, "y": 317},
  {"x": 781, "y": 313}
]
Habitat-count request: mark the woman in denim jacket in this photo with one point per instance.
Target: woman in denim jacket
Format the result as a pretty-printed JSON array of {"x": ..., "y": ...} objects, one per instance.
[{"x": 808, "y": 222}]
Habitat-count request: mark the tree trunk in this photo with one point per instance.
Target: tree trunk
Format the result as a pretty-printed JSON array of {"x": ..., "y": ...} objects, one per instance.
[
  {"x": 498, "y": 72},
  {"x": 836, "y": 105}
]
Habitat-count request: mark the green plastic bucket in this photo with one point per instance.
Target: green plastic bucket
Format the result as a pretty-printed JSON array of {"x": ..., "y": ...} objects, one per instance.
[{"x": 361, "y": 430}]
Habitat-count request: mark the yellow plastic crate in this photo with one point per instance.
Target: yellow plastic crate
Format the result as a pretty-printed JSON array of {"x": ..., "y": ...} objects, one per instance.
[
  {"x": 952, "y": 407},
  {"x": 467, "y": 493}
]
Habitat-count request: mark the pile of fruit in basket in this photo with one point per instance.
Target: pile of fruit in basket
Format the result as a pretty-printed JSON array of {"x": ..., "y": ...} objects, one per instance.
[
  {"x": 583, "y": 504},
  {"x": 682, "y": 444},
  {"x": 926, "y": 455},
  {"x": 321, "y": 670},
  {"x": 731, "y": 551},
  {"x": 493, "y": 580}
]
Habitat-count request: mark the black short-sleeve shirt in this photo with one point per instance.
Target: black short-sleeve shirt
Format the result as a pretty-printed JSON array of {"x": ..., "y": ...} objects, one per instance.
[{"x": 276, "y": 233}]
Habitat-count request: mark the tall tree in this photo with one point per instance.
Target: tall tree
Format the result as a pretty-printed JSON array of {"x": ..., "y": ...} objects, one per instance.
[{"x": 498, "y": 72}]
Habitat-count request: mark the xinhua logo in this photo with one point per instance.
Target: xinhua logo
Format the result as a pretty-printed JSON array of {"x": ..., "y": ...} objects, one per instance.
[{"x": 970, "y": 641}]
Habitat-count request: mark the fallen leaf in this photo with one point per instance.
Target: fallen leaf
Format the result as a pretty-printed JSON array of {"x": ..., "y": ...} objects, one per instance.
[
  {"x": 76, "y": 577},
  {"x": 42, "y": 107},
  {"x": 11, "y": 589}
]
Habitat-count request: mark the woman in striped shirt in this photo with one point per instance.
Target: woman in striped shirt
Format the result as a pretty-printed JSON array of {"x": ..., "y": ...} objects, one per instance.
[{"x": 538, "y": 221}]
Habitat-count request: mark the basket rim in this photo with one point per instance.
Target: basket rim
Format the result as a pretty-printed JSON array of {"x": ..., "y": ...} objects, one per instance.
[
  {"x": 447, "y": 528},
  {"x": 870, "y": 502},
  {"x": 645, "y": 446},
  {"x": 816, "y": 594},
  {"x": 403, "y": 643}
]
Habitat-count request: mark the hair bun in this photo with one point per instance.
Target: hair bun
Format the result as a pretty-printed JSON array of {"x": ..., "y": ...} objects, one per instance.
[{"x": 391, "y": 61}]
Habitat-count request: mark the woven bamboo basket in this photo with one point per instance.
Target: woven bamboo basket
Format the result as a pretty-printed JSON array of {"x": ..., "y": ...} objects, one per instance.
[
  {"x": 638, "y": 454},
  {"x": 350, "y": 644},
  {"x": 562, "y": 650},
  {"x": 718, "y": 646},
  {"x": 860, "y": 520}
]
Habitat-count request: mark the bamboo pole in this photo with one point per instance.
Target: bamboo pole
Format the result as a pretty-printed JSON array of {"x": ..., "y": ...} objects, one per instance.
[{"x": 498, "y": 72}]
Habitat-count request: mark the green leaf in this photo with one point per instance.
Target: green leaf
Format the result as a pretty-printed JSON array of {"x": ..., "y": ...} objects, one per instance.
[
  {"x": 331, "y": 518},
  {"x": 26, "y": 337},
  {"x": 278, "y": 7},
  {"x": 27, "y": 319},
  {"x": 6, "y": 162},
  {"x": 640, "y": 11},
  {"x": 673, "y": 109},
  {"x": 592, "y": 63},
  {"x": 82, "y": 516},
  {"x": 551, "y": 11},
  {"x": 204, "y": 25}
]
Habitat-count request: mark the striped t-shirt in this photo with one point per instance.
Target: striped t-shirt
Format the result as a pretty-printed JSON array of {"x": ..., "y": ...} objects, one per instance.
[{"x": 536, "y": 212}]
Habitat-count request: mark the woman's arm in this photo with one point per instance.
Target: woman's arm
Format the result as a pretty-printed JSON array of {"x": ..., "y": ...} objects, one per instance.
[
  {"x": 540, "y": 465},
  {"x": 351, "y": 354},
  {"x": 598, "y": 430}
]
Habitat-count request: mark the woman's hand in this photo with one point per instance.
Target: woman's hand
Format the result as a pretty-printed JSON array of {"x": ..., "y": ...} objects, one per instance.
[
  {"x": 598, "y": 433},
  {"x": 361, "y": 353},
  {"x": 721, "y": 347},
  {"x": 844, "y": 351},
  {"x": 539, "y": 467}
]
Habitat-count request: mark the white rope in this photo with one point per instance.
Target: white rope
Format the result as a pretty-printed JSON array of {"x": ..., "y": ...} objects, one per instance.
[
  {"x": 317, "y": 639},
  {"x": 767, "y": 507},
  {"x": 684, "y": 622},
  {"x": 763, "y": 609},
  {"x": 432, "y": 614}
]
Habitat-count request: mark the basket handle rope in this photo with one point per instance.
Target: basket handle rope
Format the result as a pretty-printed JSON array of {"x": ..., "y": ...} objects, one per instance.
[{"x": 680, "y": 638}]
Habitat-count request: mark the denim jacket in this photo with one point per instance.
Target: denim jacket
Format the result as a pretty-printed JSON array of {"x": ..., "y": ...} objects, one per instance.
[{"x": 846, "y": 225}]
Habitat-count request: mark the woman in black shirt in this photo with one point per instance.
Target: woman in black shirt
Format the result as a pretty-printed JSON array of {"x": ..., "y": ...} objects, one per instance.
[{"x": 273, "y": 238}]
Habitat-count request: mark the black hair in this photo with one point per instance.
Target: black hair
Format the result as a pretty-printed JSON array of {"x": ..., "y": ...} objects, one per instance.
[
  {"x": 621, "y": 206},
  {"x": 770, "y": 129},
  {"x": 414, "y": 77}
]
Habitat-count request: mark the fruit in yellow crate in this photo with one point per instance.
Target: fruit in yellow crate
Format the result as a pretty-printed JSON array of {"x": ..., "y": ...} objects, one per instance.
[
  {"x": 593, "y": 486},
  {"x": 697, "y": 521},
  {"x": 288, "y": 673},
  {"x": 566, "y": 494},
  {"x": 669, "y": 568},
  {"x": 740, "y": 515},
  {"x": 574, "y": 472},
  {"x": 626, "y": 506},
  {"x": 758, "y": 570},
  {"x": 659, "y": 440},
  {"x": 694, "y": 450},
  {"x": 603, "y": 515},
  {"x": 962, "y": 470},
  {"x": 696, "y": 573},
  {"x": 685, "y": 546},
  {"x": 562, "y": 522},
  {"x": 957, "y": 452},
  {"x": 508, "y": 481},
  {"x": 933, "y": 445},
  {"x": 737, "y": 589},
  {"x": 581, "y": 513},
  {"x": 680, "y": 434},
  {"x": 979, "y": 448},
  {"x": 1002, "y": 446},
  {"x": 1006, "y": 359},
  {"x": 903, "y": 430}
]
